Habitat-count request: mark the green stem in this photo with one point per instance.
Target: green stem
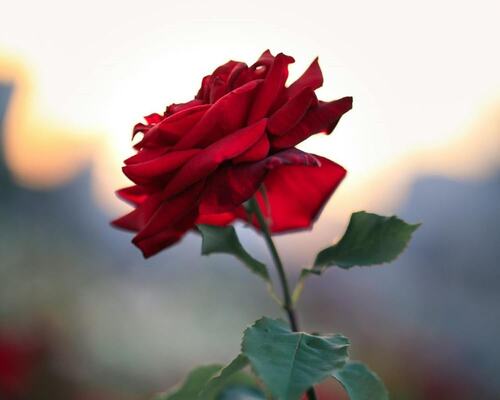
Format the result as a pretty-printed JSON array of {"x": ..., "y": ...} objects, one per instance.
[{"x": 287, "y": 299}]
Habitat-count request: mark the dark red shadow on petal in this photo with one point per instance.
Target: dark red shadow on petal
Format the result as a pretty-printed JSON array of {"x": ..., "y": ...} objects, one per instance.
[
  {"x": 231, "y": 186},
  {"x": 320, "y": 119},
  {"x": 207, "y": 161}
]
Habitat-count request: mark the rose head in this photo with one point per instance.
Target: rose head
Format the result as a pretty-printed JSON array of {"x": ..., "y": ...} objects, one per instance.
[{"x": 201, "y": 160}]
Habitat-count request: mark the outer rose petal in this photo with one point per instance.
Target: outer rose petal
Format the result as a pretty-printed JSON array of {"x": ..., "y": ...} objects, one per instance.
[
  {"x": 172, "y": 128},
  {"x": 149, "y": 170},
  {"x": 322, "y": 118},
  {"x": 231, "y": 186},
  {"x": 178, "y": 107},
  {"x": 291, "y": 113},
  {"x": 312, "y": 78},
  {"x": 136, "y": 220},
  {"x": 207, "y": 161},
  {"x": 297, "y": 193},
  {"x": 171, "y": 235},
  {"x": 266, "y": 59},
  {"x": 172, "y": 215},
  {"x": 153, "y": 245},
  {"x": 204, "y": 92},
  {"x": 224, "y": 70},
  {"x": 134, "y": 195},
  {"x": 153, "y": 118},
  {"x": 146, "y": 154},
  {"x": 271, "y": 88}
]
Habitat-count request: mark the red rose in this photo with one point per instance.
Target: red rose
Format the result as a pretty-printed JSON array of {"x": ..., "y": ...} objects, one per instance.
[{"x": 201, "y": 160}]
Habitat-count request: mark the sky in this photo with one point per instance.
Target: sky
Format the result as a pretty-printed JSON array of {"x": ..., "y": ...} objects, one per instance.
[{"x": 424, "y": 77}]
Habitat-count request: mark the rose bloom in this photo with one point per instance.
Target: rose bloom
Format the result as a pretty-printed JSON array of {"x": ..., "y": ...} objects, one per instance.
[{"x": 201, "y": 160}]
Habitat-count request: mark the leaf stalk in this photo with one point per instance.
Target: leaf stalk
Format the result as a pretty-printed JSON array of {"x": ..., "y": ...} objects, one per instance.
[{"x": 287, "y": 298}]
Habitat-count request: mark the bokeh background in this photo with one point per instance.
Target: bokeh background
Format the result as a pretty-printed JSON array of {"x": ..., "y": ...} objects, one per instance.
[{"x": 83, "y": 316}]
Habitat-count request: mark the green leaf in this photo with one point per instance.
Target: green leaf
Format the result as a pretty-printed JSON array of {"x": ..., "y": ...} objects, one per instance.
[
  {"x": 228, "y": 375},
  {"x": 291, "y": 362},
  {"x": 360, "y": 382},
  {"x": 370, "y": 239},
  {"x": 209, "y": 382},
  {"x": 192, "y": 385},
  {"x": 223, "y": 239}
]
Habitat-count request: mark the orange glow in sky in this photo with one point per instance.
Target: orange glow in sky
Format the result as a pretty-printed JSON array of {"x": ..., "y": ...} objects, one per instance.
[{"x": 424, "y": 78}]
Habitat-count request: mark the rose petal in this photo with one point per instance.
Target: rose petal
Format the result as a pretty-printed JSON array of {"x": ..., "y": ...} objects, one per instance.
[
  {"x": 204, "y": 92},
  {"x": 322, "y": 118},
  {"x": 134, "y": 195},
  {"x": 247, "y": 75},
  {"x": 146, "y": 154},
  {"x": 170, "y": 212},
  {"x": 255, "y": 153},
  {"x": 271, "y": 88},
  {"x": 205, "y": 162},
  {"x": 154, "y": 244},
  {"x": 231, "y": 186},
  {"x": 225, "y": 70},
  {"x": 234, "y": 75},
  {"x": 296, "y": 193},
  {"x": 217, "y": 89},
  {"x": 226, "y": 115},
  {"x": 178, "y": 107},
  {"x": 220, "y": 81},
  {"x": 136, "y": 220},
  {"x": 266, "y": 59},
  {"x": 144, "y": 172},
  {"x": 223, "y": 77},
  {"x": 258, "y": 70},
  {"x": 153, "y": 118},
  {"x": 221, "y": 219},
  {"x": 312, "y": 78},
  {"x": 174, "y": 127},
  {"x": 291, "y": 113}
]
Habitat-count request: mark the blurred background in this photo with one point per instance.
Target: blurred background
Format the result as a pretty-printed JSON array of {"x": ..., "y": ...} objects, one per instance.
[{"x": 83, "y": 316}]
